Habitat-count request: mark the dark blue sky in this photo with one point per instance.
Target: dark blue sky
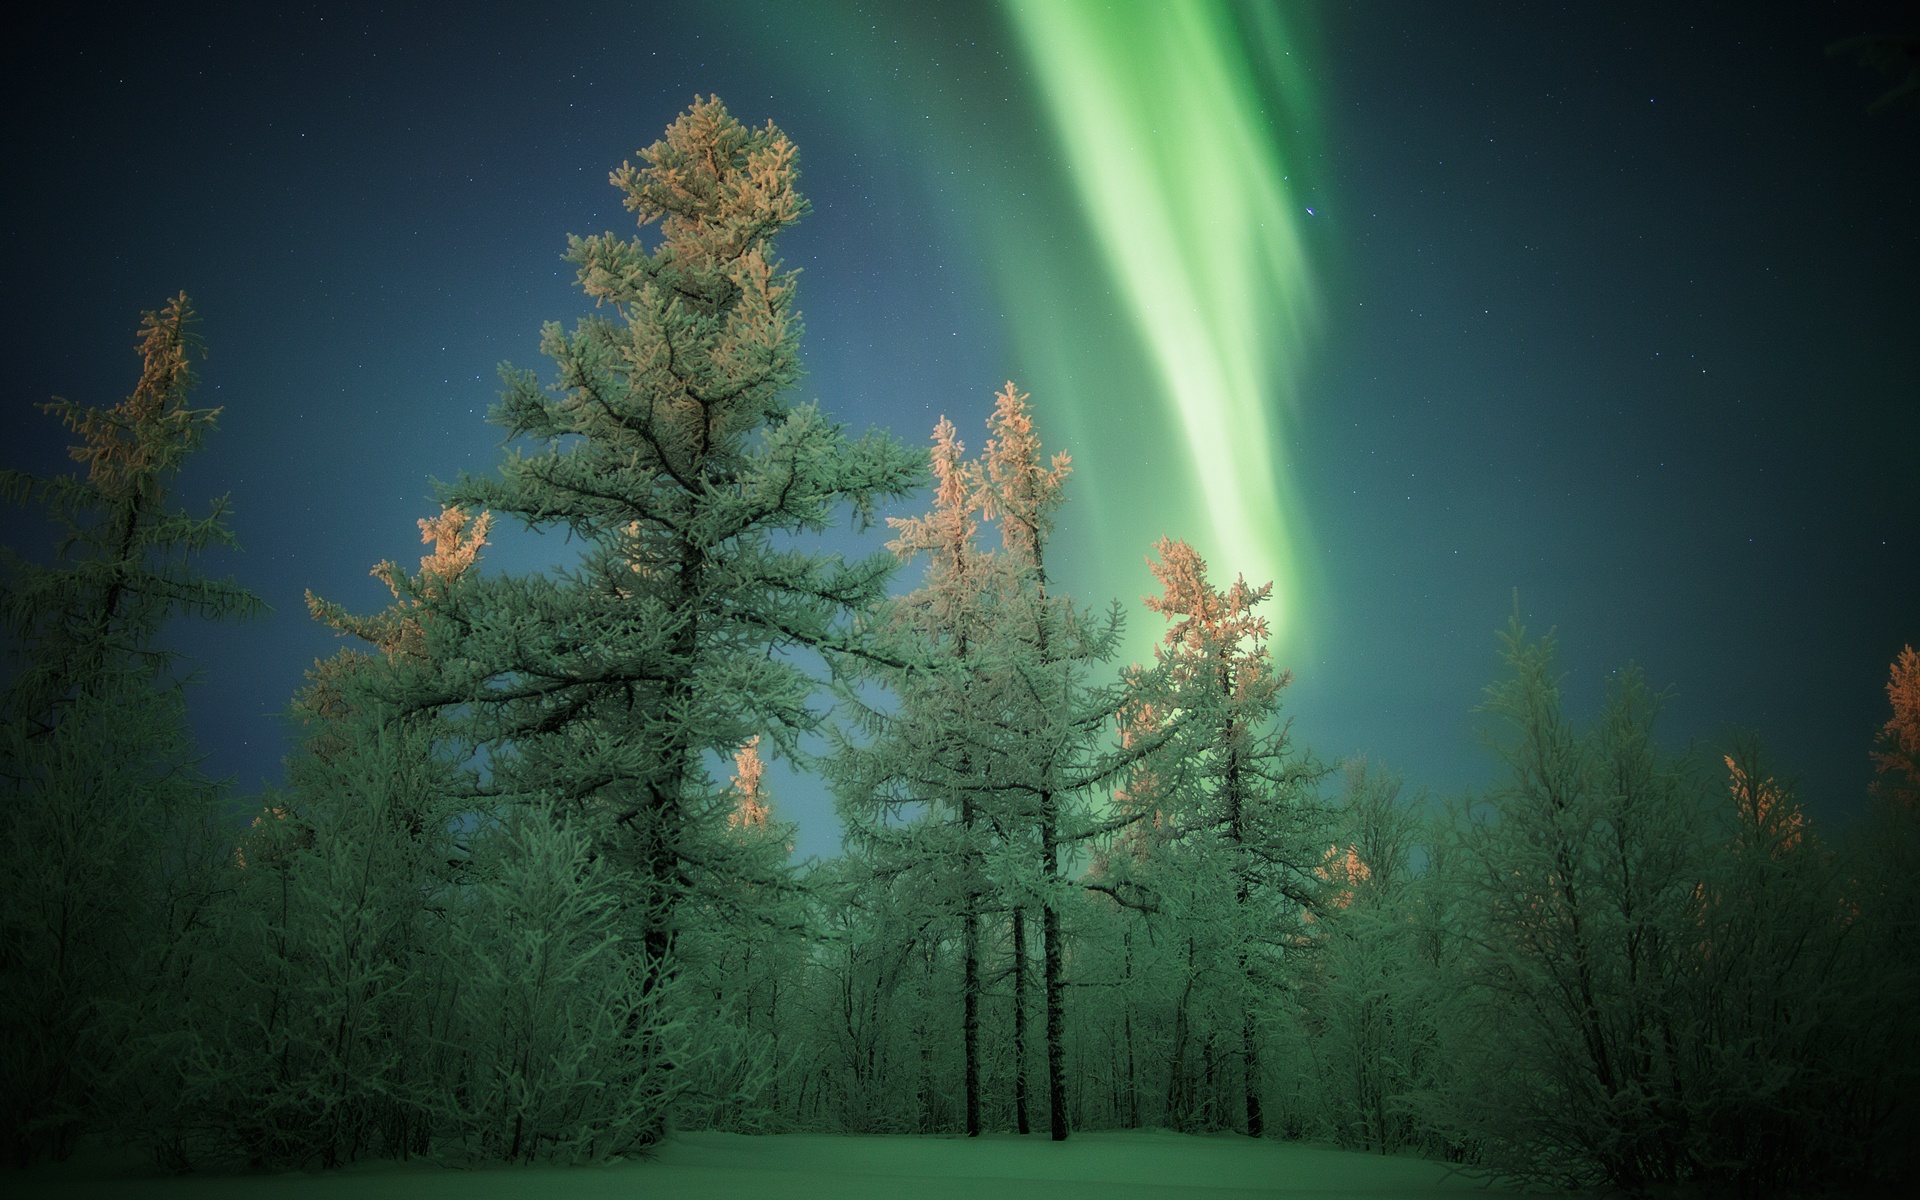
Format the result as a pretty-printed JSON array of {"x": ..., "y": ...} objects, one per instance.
[{"x": 1619, "y": 309}]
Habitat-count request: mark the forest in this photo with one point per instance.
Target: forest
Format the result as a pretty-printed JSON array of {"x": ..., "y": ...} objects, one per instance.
[{"x": 523, "y": 896}]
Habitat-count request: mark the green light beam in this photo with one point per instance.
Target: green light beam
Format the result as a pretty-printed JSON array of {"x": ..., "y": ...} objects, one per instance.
[{"x": 1161, "y": 120}]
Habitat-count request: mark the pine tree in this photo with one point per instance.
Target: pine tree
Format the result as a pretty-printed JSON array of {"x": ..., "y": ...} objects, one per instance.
[
  {"x": 667, "y": 449},
  {"x": 322, "y": 1038},
  {"x": 1896, "y": 759},
  {"x": 1579, "y": 914},
  {"x": 1222, "y": 850},
  {"x": 996, "y": 733},
  {"x": 922, "y": 755},
  {"x": 108, "y": 827}
]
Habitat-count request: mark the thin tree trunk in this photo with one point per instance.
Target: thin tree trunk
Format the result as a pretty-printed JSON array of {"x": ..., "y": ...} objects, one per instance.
[
  {"x": 1056, "y": 990},
  {"x": 773, "y": 1032},
  {"x": 1056, "y": 1023},
  {"x": 970, "y": 918},
  {"x": 1250, "y": 1064},
  {"x": 1176, "y": 1106},
  {"x": 970, "y": 1012},
  {"x": 1249, "y": 1030},
  {"x": 1179, "y": 1085},
  {"x": 1020, "y": 1019},
  {"x": 1126, "y": 1008}
]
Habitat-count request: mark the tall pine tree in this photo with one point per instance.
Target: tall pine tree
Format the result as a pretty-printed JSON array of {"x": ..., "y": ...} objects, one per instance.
[
  {"x": 920, "y": 755},
  {"x": 667, "y": 447},
  {"x": 108, "y": 822},
  {"x": 1222, "y": 854}
]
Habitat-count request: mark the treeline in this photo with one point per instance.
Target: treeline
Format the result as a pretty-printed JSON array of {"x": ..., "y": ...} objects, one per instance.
[{"x": 513, "y": 905}]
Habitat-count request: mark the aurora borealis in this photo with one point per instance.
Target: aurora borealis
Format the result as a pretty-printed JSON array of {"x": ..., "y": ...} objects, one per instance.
[
  {"x": 1161, "y": 122},
  {"x": 1612, "y": 307}
]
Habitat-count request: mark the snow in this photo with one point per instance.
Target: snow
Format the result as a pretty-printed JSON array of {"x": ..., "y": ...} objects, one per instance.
[{"x": 722, "y": 1166}]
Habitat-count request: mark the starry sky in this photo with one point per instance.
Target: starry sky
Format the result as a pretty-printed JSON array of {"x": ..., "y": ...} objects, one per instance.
[{"x": 1407, "y": 307}]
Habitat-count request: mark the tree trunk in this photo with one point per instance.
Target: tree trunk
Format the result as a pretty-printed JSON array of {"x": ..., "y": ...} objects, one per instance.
[
  {"x": 1176, "y": 1105},
  {"x": 1179, "y": 1085},
  {"x": 1126, "y": 1008},
  {"x": 1020, "y": 1019},
  {"x": 1052, "y": 958},
  {"x": 1250, "y": 1064},
  {"x": 970, "y": 1013},
  {"x": 1056, "y": 1023},
  {"x": 1249, "y": 1030}
]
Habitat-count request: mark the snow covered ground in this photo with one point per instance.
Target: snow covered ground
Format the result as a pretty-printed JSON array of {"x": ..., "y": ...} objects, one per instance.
[{"x": 722, "y": 1166}]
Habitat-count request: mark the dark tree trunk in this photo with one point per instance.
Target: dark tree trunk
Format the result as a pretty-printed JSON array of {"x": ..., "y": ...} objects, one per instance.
[
  {"x": 1133, "y": 1072},
  {"x": 1051, "y": 958},
  {"x": 1250, "y": 1064},
  {"x": 1056, "y": 1025},
  {"x": 970, "y": 981},
  {"x": 970, "y": 1015},
  {"x": 1020, "y": 1020},
  {"x": 1179, "y": 1083},
  {"x": 1177, "y": 1088},
  {"x": 1249, "y": 1029}
]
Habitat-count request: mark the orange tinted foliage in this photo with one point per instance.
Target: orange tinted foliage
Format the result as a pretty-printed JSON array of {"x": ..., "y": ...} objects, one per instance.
[
  {"x": 750, "y": 807},
  {"x": 1769, "y": 819},
  {"x": 396, "y": 629},
  {"x": 1898, "y": 757},
  {"x": 1346, "y": 871},
  {"x": 1023, "y": 494}
]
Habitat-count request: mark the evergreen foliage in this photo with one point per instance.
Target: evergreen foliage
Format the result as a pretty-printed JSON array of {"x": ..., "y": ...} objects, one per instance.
[
  {"x": 557, "y": 1033},
  {"x": 507, "y": 907},
  {"x": 326, "y": 1003},
  {"x": 108, "y": 821},
  {"x": 1368, "y": 989},
  {"x": 1214, "y": 861},
  {"x": 124, "y": 562},
  {"x": 972, "y": 792},
  {"x": 668, "y": 449},
  {"x": 1646, "y": 977}
]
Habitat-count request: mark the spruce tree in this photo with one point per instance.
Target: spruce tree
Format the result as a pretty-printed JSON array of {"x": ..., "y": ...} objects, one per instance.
[
  {"x": 996, "y": 731},
  {"x": 108, "y": 824},
  {"x": 668, "y": 449},
  {"x": 1222, "y": 853},
  {"x": 920, "y": 755},
  {"x": 322, "y": 1034}
]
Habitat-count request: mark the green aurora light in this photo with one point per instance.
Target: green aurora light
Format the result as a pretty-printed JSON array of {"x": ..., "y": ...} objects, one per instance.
[
  {"x": 1126, "y": 184},
  {"x": 1165, "y": 125}
]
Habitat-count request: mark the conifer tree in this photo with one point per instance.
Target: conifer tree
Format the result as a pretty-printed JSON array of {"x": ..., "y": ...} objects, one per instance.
[
  {"x": 322, "y": 1036},
  {"x": 1040, "y": 686},
  {"x": 1223, "y": 849},
  {"x": 668, "y": 449},
  {"x": 1896, "y": 758},
  {"x": 922, "y": 757},
  {"x": 1369, "y": 982},
  {"x": 997, "y": 732},
  {"x": 108, "y": 823},
  {"x": 125, "y": 561},
  {"x": 744, "y": 948},
  {"x": 1885, "y": 1083}
]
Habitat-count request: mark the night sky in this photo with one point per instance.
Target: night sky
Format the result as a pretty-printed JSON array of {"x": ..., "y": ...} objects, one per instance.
[{"x": 1615, "y": 305}]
